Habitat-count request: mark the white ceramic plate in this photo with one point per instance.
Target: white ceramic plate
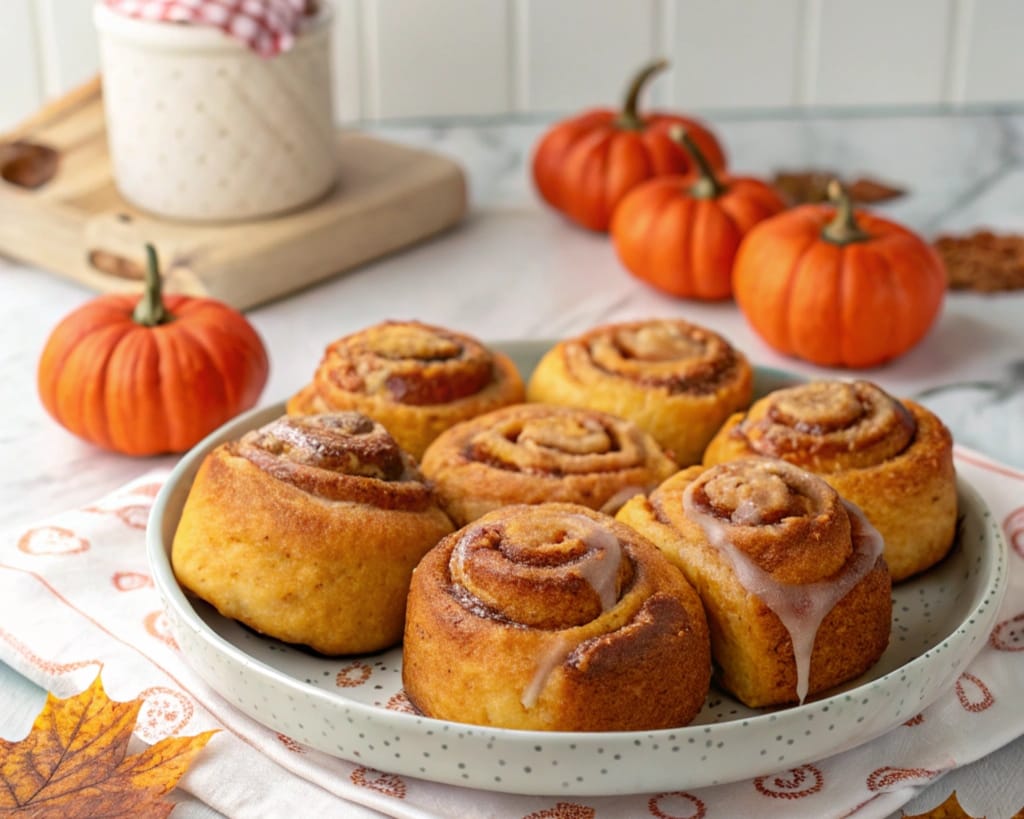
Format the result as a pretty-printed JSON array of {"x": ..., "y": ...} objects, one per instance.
[{"x": 354, "y": 708}]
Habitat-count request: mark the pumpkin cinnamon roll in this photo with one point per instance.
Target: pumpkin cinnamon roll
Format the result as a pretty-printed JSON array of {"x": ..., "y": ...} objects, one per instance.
[
  {"x": 791, "y": 576},
  {"x": 308, "y": 530},
  {"x": 554, "y": 617},
  {"x": 892, "y": 458},
  {"x": 533, "y": 453},
  {"x": 675, "y": 380},
  {"x": 416, "y": 379}
]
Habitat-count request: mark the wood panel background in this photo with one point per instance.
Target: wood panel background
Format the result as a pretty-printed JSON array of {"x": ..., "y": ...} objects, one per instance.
[{"x": 442, "y": 59}]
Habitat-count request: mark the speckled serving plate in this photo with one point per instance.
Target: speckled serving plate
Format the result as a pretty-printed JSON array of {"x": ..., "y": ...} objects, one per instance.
[{"x": 354, "y": 707}]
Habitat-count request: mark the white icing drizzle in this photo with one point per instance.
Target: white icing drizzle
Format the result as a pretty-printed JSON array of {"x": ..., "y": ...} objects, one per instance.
[
  {"x": 554, "y": 655},
  {"x": 457, "y": 561},
  {"x": 599, "y": 565},
  {"x": 800, "y": 607},
  {"x": 618, "y": 500}
]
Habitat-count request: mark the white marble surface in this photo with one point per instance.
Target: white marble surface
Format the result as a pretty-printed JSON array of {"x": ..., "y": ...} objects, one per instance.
[{"x": 514, "y": 270}]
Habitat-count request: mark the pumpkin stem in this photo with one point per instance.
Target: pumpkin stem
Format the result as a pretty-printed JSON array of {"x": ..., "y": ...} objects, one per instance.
[
  {"x": 707, "y": 186},
  {"x": 843, "y": 229},
  {"x": 630, "y": 118},
  {"x": 151, "y": 311}
]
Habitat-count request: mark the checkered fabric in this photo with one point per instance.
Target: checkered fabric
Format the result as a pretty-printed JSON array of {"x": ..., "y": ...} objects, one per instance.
[{"x": 268, "y": 27}]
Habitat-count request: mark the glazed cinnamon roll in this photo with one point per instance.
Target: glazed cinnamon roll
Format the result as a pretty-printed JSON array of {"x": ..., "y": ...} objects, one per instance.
[
  {"x": 554, "y": 617},
  {"x": 308, "y": 530},
  {"x": 532, "y": 453},
  {"x": 792, "y": 577},
  {"x": 892, "y": 458},
  {"x": 414, "y": 378},
  {"x": 675, "y": 380}
]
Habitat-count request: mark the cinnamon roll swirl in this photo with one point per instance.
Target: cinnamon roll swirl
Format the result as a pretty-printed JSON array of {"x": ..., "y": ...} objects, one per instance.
[
  {"x": 308, "y": 530},
  {"x": 892, "y": 458},
  {"x": 414, "y": 378},
  {"x": 791, "y": 576},
  {"x": 533, "y": 453},
  {"x": 554, "y": 617},
  {"x": 675, "y": 380}
]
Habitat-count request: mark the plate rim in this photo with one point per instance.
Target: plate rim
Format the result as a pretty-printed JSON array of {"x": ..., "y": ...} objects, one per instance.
[{"x": 989, "y": 595}]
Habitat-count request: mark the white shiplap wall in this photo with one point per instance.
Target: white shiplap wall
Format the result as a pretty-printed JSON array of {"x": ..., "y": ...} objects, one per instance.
[{"x": 458, "y": 58}]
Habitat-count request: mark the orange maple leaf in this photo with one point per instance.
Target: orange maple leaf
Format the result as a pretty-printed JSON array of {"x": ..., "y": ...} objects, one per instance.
[
  {"x": 950, "y": 809},
  {"x": 73, "y": 763}
]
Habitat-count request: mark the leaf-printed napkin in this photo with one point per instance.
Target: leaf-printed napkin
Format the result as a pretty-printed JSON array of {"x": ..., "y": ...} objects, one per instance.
[{"x": 83, "y": 597}]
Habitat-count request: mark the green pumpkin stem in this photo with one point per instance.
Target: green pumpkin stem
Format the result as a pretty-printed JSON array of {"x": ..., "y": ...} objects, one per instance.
[
  {"x": 707, "y": 186},
  {"x": 630, "y": 118},
  {"x": 843, "y": 229},
  {"x": 151, "y": 311}
]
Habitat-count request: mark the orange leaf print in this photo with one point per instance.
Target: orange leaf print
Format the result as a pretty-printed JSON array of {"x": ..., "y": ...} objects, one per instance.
[{"x": 73, "y": 763}]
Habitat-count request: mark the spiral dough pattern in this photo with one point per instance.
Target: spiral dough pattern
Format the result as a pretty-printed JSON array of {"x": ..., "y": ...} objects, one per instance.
[
  {"x": 416, "y": 379},
  {"x": 553, "y": 617},
  {"x": 676, "y": 380}
]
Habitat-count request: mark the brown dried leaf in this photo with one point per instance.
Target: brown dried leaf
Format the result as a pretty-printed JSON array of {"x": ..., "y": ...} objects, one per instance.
[
  {"x": 867, "y": 191},
  {"x": 983, "y": 261},
  {"x": 73, "y": 764},
  {"x": 811, "y": 186},
  {"x": 950, "y": 809},
  {"x": 27, "y": 164}
]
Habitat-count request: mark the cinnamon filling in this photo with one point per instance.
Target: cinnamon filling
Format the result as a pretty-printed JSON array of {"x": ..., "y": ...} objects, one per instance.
[
  {"x": 674, "y": 356},
  {"x": 558, "y": 441},
  {"x": 856, "y": 424},
  {"x": 546, "y": 572},
  {"x": 787, "y": 521},
  {"x": 337, "y": 456},
  {"x": 408, "y": 363}
]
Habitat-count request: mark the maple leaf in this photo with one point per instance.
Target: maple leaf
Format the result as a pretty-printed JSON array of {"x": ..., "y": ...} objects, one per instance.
[
  {"x": 983, "y": 261},
  {"x": 809, "y": 186},
  {"x": 950, "y": 809},
  {"x": 73, "y": 763}
]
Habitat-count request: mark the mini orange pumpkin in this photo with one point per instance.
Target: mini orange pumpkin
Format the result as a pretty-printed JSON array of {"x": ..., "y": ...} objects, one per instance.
[
  {"x": 584, "y": 165},
  {"x": 680, "y": 233},
  {"x": 149, "y": 375},
  {"x": 838, "y": 287}
]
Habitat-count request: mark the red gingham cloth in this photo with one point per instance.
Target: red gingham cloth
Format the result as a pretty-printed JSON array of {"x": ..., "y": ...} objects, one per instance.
[{"x": 268, "y": 27}]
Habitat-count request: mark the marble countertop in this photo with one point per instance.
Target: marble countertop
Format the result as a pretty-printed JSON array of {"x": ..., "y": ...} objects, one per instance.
[{"x": 514, "y": 270}]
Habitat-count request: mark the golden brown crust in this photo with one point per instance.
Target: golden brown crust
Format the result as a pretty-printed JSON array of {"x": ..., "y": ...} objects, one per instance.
[
  {"x": 894, "y": 459},
  {"x": 554, "y": 617},
  {"x": 414, "y": 378},
  {"x": 308, "y": 530},
  {"x": 534, "y": 453},
  {"x": 675, "y": 380},
  {"x": 731, "y": 529}
]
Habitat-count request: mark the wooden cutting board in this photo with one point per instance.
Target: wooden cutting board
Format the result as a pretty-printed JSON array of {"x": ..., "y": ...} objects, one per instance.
[{"x": 77, "y": 224}]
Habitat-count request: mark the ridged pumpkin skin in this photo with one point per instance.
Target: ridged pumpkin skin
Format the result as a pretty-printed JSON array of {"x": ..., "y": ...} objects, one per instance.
[
  {"x": 851, "y": 305},
  {"x": 147, "y": 390},
  {"x": 584, "y": 165},
  {"x": 683, "y": 244}
]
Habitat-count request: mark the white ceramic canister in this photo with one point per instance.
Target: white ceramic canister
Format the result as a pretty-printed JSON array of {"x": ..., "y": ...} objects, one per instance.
[{"x": 202, "y": 128}]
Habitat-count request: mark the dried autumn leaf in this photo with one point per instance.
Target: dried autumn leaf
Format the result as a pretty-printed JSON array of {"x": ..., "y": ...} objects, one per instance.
[
  {"x": 983, "y": 261},
  {"x": 27, "y": 164},
  {"x": 950, "y": 809},
  {"x": 868, "y": 191},
  {"x": 811, "y": 186},
  {"x": 73, "y": 763}
]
